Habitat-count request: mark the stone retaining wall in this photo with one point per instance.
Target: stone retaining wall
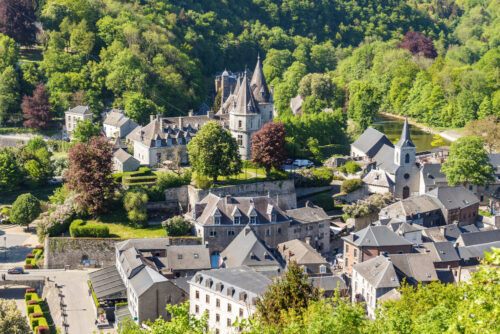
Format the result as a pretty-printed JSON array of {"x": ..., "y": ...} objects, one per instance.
[{"x": 72, "y": 252}]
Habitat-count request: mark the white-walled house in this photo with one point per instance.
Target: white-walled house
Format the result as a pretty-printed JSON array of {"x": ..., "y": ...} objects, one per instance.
[
  {"x": 117, "y": 124},
  {"x": 73, "y": 116}
]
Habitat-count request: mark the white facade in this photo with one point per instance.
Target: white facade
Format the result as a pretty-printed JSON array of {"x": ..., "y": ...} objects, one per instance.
[{"x": 73, "y": 116}]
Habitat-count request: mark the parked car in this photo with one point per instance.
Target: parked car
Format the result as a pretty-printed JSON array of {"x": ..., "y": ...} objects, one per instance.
[
  {"x": 289, "y": 161},
  {"x": 56, "y": 180},
  {"x": 301, "y": 163},
  {"x": 15, "y": 270}
]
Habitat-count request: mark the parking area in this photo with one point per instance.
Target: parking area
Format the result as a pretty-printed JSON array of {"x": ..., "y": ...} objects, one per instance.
[{"x": 15, "y": 243}]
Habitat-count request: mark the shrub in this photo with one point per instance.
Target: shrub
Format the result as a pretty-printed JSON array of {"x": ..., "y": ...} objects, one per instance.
[
  {"x": 25, "y": 209},
  {"x": 370, "y": 205},
  {"x": 350, "y": 167},
  {"x": 324, "y": 201},
  {"x": 28, "y": 266},
  {"x": 135, "y": 205},
  {"x": 351, "y": 185},
  {"x": 203, "y": 182},
  {"x": 30, "y": 296},
  {"x": 54, "y": 223},
  {"x": 83, "y": 229},
  {"x": 30, "y": 256},
  {"x": 171, "y": 180},
  {"x": 30, "y": 290},
  {"x": 338, "y": 178},
  {"x": 39, "y": 247},
  {"x": 36, "y": 322},
  {"x": 313, "y": 177},
  {"x": 33, "y": 308},
  {"x": 177, "y": 226},
  {"x": 96, "y": 302}
]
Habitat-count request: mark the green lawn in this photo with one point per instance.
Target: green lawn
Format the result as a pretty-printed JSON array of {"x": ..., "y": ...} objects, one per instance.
[
  {"x": 41, "y": 193},
  {"x": 27, "y": 55},
  {"x": 123, "y": 231}
]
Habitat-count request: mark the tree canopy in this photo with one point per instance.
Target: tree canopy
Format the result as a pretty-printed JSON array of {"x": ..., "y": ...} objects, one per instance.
[
  {"x": 268, "y": 146},
  {"x": 25, "y": 209}
]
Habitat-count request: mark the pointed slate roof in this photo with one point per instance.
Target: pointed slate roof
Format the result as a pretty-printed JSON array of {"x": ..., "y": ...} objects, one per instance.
[
  {"x": 245, "y": 102},
  {"x": 258, "y": 83},
  {"x": 376, "y": 236},
  {"x": 238, "y": 85},
  {"x": 405, "y": 140}
]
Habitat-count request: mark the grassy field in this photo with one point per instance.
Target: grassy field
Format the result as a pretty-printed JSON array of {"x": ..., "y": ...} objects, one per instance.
[{"x": 123, "y": 231}]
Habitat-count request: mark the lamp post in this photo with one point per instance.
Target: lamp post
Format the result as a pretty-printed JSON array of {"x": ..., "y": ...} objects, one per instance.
[{"x": 5, "y": 247}]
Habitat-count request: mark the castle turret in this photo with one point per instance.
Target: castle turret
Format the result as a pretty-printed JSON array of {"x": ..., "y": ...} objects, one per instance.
[{"x": 258, "y": 84}]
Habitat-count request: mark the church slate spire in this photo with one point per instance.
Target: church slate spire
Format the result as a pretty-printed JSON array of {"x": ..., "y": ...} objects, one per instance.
[
  {"x": 245, "y": 102},
  {"x": 258, "y": 83},
  {"x": 405, "y": 139}
]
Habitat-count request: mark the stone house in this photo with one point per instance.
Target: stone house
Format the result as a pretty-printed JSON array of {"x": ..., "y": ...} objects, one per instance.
[
  {"x": 73, "y": 116},
  {"x": 457, "y": 204},
  {"x": 476, "y": 238},
  {"x": 124, "y": 162},
  {"x": 117, "y": 125},
  {"x": 371, "y": 242},
  {"x": 411, "y": 232},
  {"x": 225, "y": 295},
  {"x": 310, "y": 224},
  {"x": 431, "y": 178},
  {"x": 305, "y": 256},
  {"x": 443, "y": 254}
]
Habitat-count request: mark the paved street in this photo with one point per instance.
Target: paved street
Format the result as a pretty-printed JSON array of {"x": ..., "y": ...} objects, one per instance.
[{"x": 18, "y": 243}]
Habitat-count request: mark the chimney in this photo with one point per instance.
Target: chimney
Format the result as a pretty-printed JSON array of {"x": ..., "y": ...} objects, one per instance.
[
  {"x": 228, "y": 199},
  {"x": 247, "y": 230},
  {"x": 308, "y": 241},
  {"x": 210, "y": 113},
  {"x": 142, "y": 135},
  {"x": 180, "y": 123},
  {"x": 190, "y": 113}
]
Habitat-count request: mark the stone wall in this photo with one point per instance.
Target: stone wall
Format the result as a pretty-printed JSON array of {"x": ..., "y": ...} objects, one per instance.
[
  {"x": 283, "y": 192},
  {"x": 61, "y": 252},
  {"x": 178, "y": 195}
]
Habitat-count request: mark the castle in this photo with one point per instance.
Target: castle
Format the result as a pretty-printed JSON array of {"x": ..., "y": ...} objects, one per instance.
[{"x": 247, "y": 105}]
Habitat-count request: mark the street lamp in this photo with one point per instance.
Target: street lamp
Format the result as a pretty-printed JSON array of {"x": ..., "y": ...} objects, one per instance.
[{"x": 5, "y": 247}]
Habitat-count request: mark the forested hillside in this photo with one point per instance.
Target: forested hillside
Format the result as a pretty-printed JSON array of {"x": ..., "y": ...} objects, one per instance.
[{"x": 154, "y": 56}]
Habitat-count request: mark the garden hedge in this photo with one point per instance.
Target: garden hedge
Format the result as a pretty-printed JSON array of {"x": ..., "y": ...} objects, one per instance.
[
  {"x": 351, "y": 185},
  {"x": 36, "y": 322},
  {"x": 83, "y": 229}
]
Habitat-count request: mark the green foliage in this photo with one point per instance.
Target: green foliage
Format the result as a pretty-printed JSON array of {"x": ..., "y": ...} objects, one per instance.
[
  {"x": 214, "y": 152},
  {"x": 350, "y": 167},
  {"x": 12, "y": 321},
  {"x": 94, "y": 297},
  {"x": 313, "y": 177},
  {"x": 351, "y": 185},
  {"x": 9, "y": 172},
  {"x": 324, "y": 201},
  {"x": 85, "y": 130},
  {"x": 9, "y": 95},
  {"x": 468, "y": 162},
  {"x": 135, "y": 205},
  {"x": 83, "y": 229},
  {"x": 171, "y": 180},
  {"x": 177, "y": 226},
  {"x": 364, "y": 101},
  {"x": 25, "y": 209}
]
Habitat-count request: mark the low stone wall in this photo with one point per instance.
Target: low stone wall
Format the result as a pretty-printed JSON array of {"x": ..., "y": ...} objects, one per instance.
[
  {"x": 159, "y": 211},
  {"x": 283, "y": 192},
  {"x": 178, "y": 195},
  {"x": 362, "y": 222},
  {"x": 307, "y": 191},
  {"x": 72, "y": 252}
]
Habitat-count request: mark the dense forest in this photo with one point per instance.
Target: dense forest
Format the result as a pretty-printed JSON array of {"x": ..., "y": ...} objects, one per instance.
[{"x": 436, "y": 60}]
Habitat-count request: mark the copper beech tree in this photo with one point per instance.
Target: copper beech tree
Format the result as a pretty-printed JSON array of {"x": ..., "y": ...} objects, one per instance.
[
  {"x": 36, "y": 108},
  {"x": 268, "y": 146},
  {"x": 89, "y": 174}
]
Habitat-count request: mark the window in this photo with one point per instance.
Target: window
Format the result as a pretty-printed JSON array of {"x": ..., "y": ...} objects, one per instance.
[
  {"x": 406, "y": 176},
  {"x": 207, "y": 299},
  {"x": 279, "y": 230},
  {"x": 213, "y": 233},
  {"x": 179, "y": 256},
  {"x": 407, "y": 158},
  {"x": 217, "y": 302},
  {"x": 217, "y": 317},
  {"x": 347, "y": 248},
  {"x": 228, "y": 307},
  {"x": 197, "y": 294},
  {"x": 273, "y": 218},
  {"x": 229, "y": 322},
  {"x": 253, "y": 220},
  {"x": 470, "y": 187},
  {"x": 236, "y": 220},
  {"x": 196, "y": 309},
  {"x": 241, "y": 312},
  {"x": 347, "y": 262},
  {"x": 322, "y": 269},
  {"x": 240, "y": 140},
  {"x": 230, "y": 233},
  {"x": 355, "y": 253},
  {"x": 217, "y": 220},
  {"x": 268, "y": 232},
  {"x": 321, "y": 225},
  {"x": 158, "y": 143},
  {"x": 240, "y": 124},
  {"x": 158, "y": 157},
  {"x": 208, "y": 313}
]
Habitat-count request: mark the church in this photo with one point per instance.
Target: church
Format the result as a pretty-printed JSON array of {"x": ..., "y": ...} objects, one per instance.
[{"x": 395, "y": 165}]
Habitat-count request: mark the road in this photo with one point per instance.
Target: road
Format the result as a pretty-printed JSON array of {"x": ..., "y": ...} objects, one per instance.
[{"x": 18, "y": 243}]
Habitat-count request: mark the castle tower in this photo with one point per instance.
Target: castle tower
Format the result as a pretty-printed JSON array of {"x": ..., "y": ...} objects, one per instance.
[
  {"x": 226, "y": 89},
  {"x": 258, "y": 84}
]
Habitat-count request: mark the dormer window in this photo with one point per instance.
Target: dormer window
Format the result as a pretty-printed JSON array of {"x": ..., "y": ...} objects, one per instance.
[
  {"x": 217, "y": 220},
  {"x": 274, "y": 218},
  {"x": 158, "y": 142},
  {"x": 322, "y": 269},
  {"x": 236, "y": 220},
  {"x": 253, "y": 220}
]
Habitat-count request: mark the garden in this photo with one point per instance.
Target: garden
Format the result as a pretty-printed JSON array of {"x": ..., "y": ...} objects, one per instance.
[{"x": 38, "y": 313}]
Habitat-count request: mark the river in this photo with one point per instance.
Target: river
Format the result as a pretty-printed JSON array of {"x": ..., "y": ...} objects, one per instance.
[{"x": 392, "y": 128}]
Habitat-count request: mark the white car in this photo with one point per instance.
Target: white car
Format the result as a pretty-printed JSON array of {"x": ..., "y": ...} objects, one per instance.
[{"x": 303, "y": 163}]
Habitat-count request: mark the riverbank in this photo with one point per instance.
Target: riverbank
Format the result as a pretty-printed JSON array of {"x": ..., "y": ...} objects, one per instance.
[{"x": 450, "y": 134}]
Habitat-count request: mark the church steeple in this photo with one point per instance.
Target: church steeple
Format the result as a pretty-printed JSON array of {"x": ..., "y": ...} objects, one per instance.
[
  {"x": 245, "y": 102},
  {"x": 258, "y": 83},
  {"x": 405, "y": 139}
]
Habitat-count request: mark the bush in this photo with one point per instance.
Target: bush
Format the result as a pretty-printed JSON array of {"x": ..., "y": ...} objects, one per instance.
[
  {"x": 313, "y": 177},
  {"x": 171, "y": 180},
  {"x": 36, "y": 315},
  {"x": 338, "y": 178},
  {"x": 324, "y": 201},
  {"x": 351, "y": 185},
  {"x": 36, "y": 322},
  {"x": 25, "y": 209},
  {"x": 28, "y": 266},
  {"x": 350, "y": 167},
  {"x": 370, "y": 205},
  {"x": 42, "y": 330},
  {"x": 203, "y": 182},
  {"x": 83, "y": 229},
  {"x": 96, "y": 302},
  {"x": 176, "y": 226},
  {"x": 33, "y": 309},
  {"x": 135, "y": 204},
  {"x": 30, "y": 296}
]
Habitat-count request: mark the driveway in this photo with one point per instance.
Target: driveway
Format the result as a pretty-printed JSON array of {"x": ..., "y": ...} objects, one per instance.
[{"x": 14, "y": 245}]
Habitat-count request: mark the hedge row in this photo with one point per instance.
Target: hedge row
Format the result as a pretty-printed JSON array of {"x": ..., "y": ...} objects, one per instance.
[
  {"x": 31, "y": 258},
  {"x": 38, "y": 320},
  {"x": 96, "y": 302},
  {"x": 83, "y": 229},
  {"x": 351, "y": 185},
  {"x": 139, "y": 179}
]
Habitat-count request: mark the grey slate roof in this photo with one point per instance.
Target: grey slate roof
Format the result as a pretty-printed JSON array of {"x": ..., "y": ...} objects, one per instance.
[
  {"x": 145, "y": 279},
  {"x": 376, "y": 236},
  {"x": 307, "y": 214},
  {"x": 247, "y": 250},
  {"x": 328, "y": 283},
  {"x": 416, "y": 267},
  {"x": 80, "y": 110},
  {"x": 123, "y": 156},
  {"x": 385, "y": 159},
  {"x": 300, "y": 252},
  {"x": 245, "y": 100},
  {"x": 477, "y": 251},
  {"x": 131, "y": 262},
  {"x": 453, "y": 231},
  {"x": 188, "y": 257},
  {"x": 454, "y": 197},
  {"x": 115, "y": 118},
  {"x": 408, "y": 228},
  {"x": 371, "y": 141},
  {"x": 405, "y": 140},
  {"x": 258, "y": 83},
  {"x": 431, "y": 174},
  {"x": 410, "y": 206},
  {"x": 143, "y": 244},
  {"x": 107, "y": 282},
  {"x": 379, "y": 272},
  {"x": 481, "y": 237},
  {"x": 241, "y": 279},
  {"x": 378, "y": 178}
]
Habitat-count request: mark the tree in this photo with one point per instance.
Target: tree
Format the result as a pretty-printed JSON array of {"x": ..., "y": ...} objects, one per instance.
[
  {"x": 9, "y": 52},
  {"x": 36, "y": 108},
  {"x": 468, "y": 162},
  {"x": 291, "y": 292},
  {"x": 181, "y": 322},
  {"x": 214, "y": 152},
  {"x": 268, "y": 146},
  {"x": 85, "y": 131},
  {"x": 138, "y": 108},
  {"x": 218, "y": 100},
  {"x": 25, "y": 209},
  {"x": 135, "y": 204},
  {"x": 17, "y": 20},
  {"x": 12, "y": 321},
  {"x": 488, "y": 129},
  {"x": 364, "y": 100},
  {"x": 89, "y": 174},
  {"x": 177, "y": 226},
  {"x": 417, "y": 43},
  {"x": 9, "y": 171},
  {"x": 9, "y": 95}
]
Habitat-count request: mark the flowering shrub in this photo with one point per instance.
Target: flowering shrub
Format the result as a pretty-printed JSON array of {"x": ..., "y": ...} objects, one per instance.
[
  {"x": 313, "y": 177},
  {"x": 369, "y": 206},
  {"x": 52, "y": 223}
]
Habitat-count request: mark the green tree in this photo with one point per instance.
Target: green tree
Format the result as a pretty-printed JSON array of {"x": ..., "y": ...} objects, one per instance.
[
  {"x": 9, "y": 95},
  {"x": 139, "y": 108},
  {"x": 9, "y": 171},
  {"x": 218, "y": 100},
  {"x": 364, "y": 100},
  {"x": 468, "y": 163},
  {"x": 85, "y": 130},
  {"x": 214, "y": 152},
  {"x": 135, "y": 205},
  {"x": 291, "y": 292},
  {"x": 9, "y": 52},
  {"x": 82, "y": 40},
  {"x": 177, "y": 226},
  {"x": 25, "y": 209},
  {"x": 12, "y": 321}
]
